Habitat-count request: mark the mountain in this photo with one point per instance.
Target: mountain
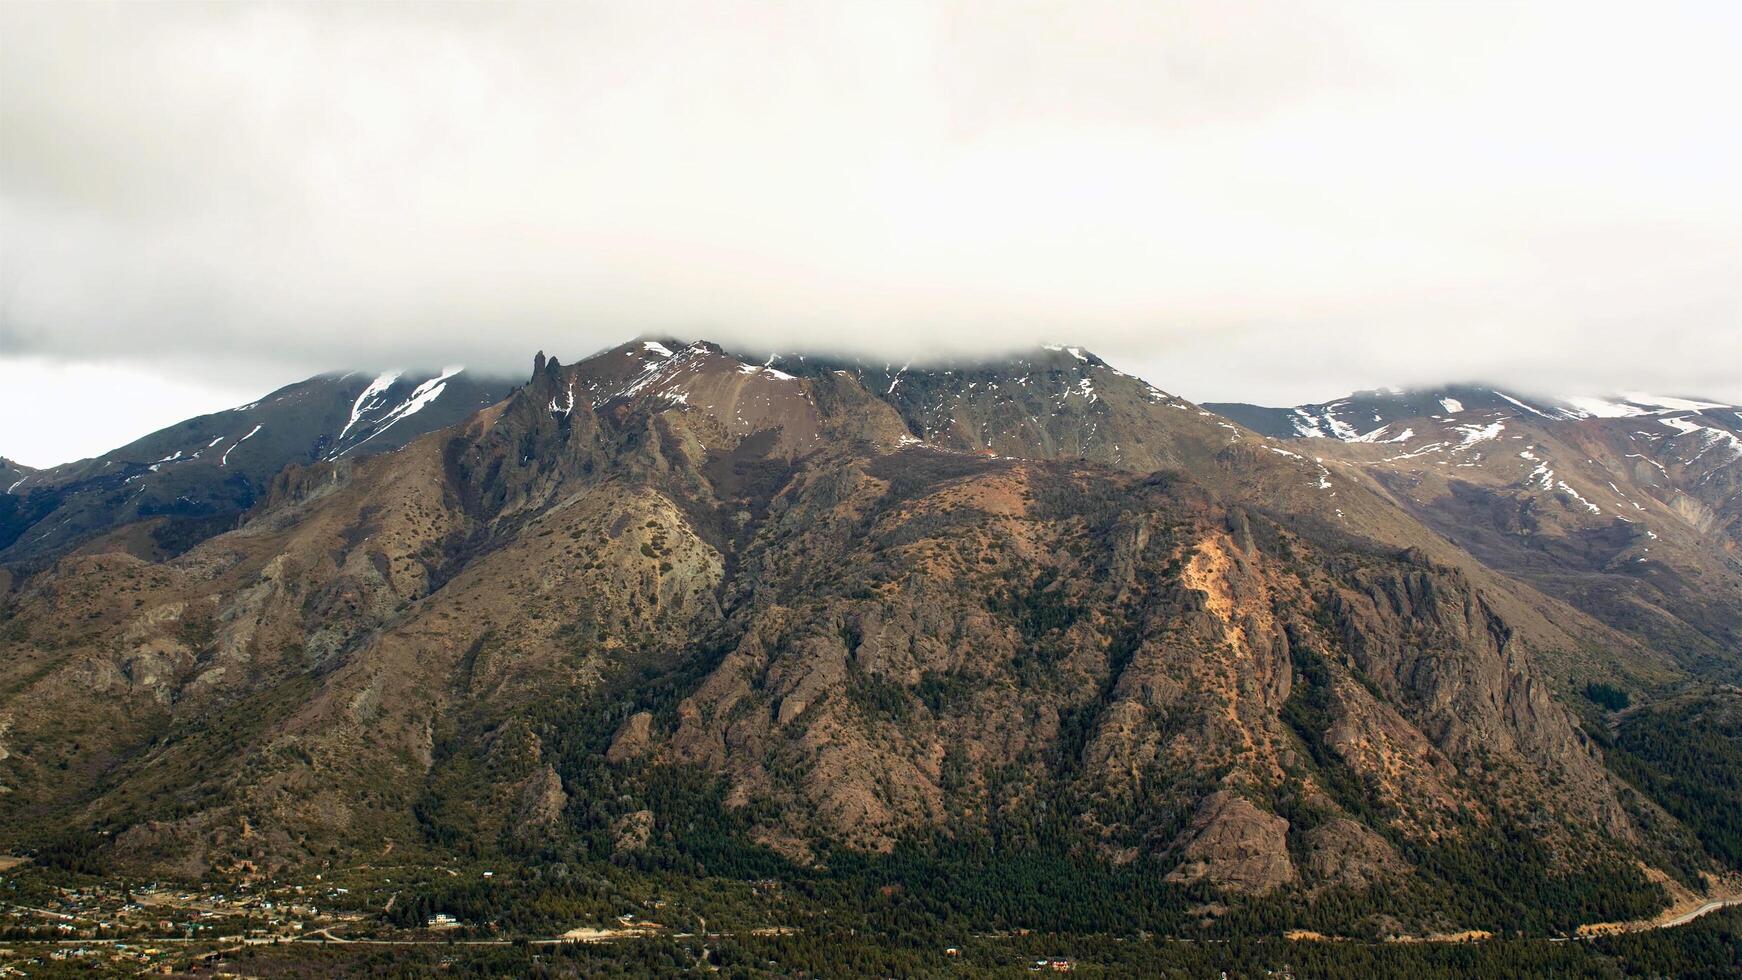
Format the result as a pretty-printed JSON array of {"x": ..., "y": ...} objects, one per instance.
[
  {"x": 184, "y": 483},
  {"x": 1028, "y": 641},
  {"x": 1629, "y": 508},
  {"x": 1383, "y": 415},
  {"x": 13, "y": 473}
]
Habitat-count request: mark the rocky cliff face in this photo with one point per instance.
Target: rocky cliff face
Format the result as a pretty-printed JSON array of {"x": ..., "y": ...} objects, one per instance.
[
  {"x": 1123, "y": 619},
  {"x": 1020, "y": 633}
]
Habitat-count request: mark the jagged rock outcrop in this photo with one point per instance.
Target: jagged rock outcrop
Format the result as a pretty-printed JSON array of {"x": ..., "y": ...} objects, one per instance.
[{"x": 1235, "y": 845}]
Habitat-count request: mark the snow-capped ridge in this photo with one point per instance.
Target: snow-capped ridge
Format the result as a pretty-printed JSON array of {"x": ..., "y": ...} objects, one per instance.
[{"x": 1367, "y": 416}]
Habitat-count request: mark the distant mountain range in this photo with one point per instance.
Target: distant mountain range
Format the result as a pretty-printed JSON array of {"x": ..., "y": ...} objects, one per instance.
[
  {"x": 1384, "y": 416},
  {"x": 192, "y": 479},
  {"x": 1409, "y": 662},
  {"x": 1628, "y": 507}
]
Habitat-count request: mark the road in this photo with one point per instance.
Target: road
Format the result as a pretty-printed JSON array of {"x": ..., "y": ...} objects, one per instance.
[{"x": 1682, "y": 920}]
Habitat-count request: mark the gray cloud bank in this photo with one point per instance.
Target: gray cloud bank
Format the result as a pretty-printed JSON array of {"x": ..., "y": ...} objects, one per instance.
[{"x": 1270, "y": 202}]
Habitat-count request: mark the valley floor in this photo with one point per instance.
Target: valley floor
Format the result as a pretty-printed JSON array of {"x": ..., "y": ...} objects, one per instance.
[
  {"x": 1705, "y": 948},
  {"x": 88, "y": 928}
]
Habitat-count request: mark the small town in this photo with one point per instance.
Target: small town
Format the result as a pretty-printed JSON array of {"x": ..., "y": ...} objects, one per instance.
[{"x": 157, "y": 926}]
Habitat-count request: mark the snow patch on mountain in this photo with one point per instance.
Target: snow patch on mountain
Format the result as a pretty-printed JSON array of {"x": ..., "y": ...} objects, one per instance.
[
  {"x": 225, "y": 460},
  {"x": 1318, "y": 426},
  {"x": 1710, "y": 437},
  {"x": 766, "y": 371},
  {"x": 1527, "y": 407},
  {"x": 1633, "y": 404},
  {"x": 1541, "y": 477},
  {"x": 1480, "y": 433},
  {"x": 370, "y": 398},
  {"x": 420, "y": 398},
  {"x": 1569, "y": 491},
  {"x": 1668, "y": 403},
  {"x": 567, "y": 407},
  {"x": 1588, "y": 407}
]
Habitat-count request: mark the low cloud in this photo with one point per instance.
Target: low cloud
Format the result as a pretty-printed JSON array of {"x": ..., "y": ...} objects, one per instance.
[{"x": 1256, "y": 202}]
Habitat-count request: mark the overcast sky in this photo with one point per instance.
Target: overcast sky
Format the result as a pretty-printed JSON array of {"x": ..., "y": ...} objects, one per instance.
[{"x": 1272, "y": 202}]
